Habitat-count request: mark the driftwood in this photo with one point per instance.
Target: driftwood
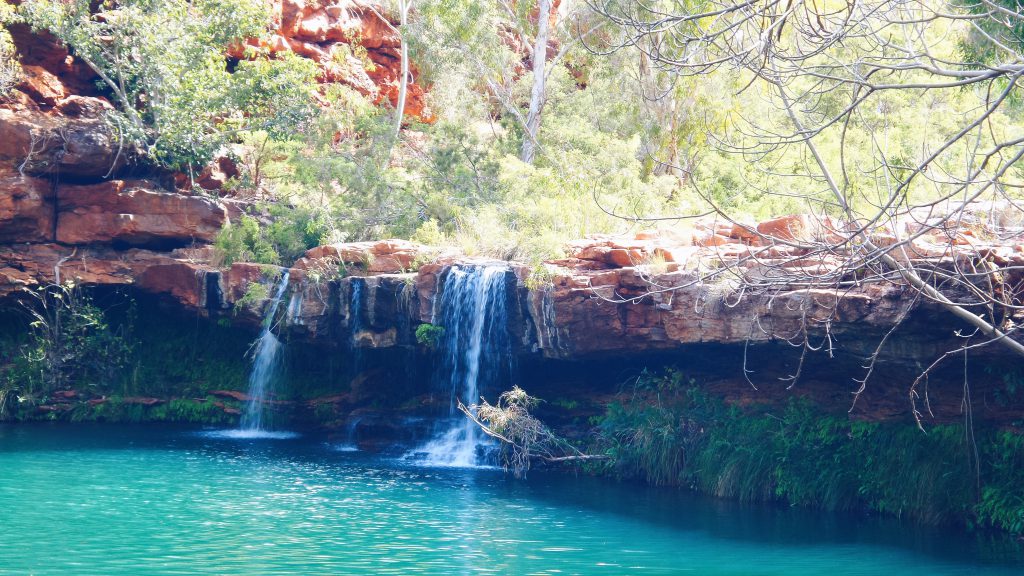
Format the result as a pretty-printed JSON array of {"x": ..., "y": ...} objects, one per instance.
[{"x": 523, "y": 437}]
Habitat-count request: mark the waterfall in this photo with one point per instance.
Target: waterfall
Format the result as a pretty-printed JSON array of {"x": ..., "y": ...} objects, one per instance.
[
  {"x": 293, "y": 313},
  {"x": 351, "y": 444},
  {"x": 355, "y": 311},
  {"x": 266, "y": 356},
  {"x": 474, "y": 351}
]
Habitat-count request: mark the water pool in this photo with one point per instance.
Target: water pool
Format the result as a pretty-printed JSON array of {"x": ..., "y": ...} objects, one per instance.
[{"x": 91, "y": 499}]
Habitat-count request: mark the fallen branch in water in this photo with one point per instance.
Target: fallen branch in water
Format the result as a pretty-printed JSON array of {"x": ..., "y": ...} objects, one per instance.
[{"x": 523, "y": 437}]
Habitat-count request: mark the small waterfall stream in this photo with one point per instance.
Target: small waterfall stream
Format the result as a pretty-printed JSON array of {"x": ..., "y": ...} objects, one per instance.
[
  {"x": 475, "y": 351},
  {"x": 266, "y": 357},
  {"x": 351, "y": 443},
  {"x": 355, "y": 314}
]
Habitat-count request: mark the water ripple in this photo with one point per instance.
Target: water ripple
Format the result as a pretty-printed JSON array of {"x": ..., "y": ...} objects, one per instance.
[{"x": 142, "y": 503}]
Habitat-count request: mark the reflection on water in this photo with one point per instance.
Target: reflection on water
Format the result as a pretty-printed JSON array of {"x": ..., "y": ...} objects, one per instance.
[
  {"x": 139, "y": 500},
  {"x": 246, "y": 434}
]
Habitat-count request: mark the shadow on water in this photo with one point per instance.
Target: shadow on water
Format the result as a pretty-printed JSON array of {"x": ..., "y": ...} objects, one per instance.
[{"x": 761, "y": 523}]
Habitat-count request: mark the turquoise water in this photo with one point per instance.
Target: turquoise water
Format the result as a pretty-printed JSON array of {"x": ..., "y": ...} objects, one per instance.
[{"x": 137, "y": 500}]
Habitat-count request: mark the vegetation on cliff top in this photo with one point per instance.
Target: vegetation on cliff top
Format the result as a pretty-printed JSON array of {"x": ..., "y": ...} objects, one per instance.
[
  {"x": 549, "y": 132},
  {"x": 165, "y": 66}
]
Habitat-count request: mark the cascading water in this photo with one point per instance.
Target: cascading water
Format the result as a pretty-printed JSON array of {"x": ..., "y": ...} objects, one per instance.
[
  {"x": 351, "y": 443},
  {"x": 474, "y": 351},
  {"x": 355, "y": 314},
  {"x": 293, "y": 313},
  {"x": 266, "y": 357}
]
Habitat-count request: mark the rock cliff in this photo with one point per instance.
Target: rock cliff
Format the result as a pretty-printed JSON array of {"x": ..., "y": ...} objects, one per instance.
[{"x": 69, "y": 211}]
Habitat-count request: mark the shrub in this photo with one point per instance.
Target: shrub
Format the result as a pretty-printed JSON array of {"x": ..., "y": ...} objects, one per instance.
[
  {"x": 667, "y": 433},
  {"x": 429, "y": 335},
  {"x": 70, "y": 341}
]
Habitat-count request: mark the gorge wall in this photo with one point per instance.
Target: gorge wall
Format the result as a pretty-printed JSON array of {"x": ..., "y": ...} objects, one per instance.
[{"x": 73, "y": 207}]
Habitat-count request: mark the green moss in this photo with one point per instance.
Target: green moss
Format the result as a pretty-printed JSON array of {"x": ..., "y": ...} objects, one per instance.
[{"x": 181, "y": 410}]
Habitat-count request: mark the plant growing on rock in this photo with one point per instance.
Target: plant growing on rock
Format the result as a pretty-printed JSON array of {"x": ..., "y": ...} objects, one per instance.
[
  {"x": 429, "y": 335},
  {"x": 71, "y": 341},
  {"x": 164, "y": 63},
  {"x": 255, "y": 294}
]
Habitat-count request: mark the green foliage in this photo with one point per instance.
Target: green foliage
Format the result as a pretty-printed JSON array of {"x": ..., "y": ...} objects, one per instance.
[
  {"x": 668, "y": 434},
  {"x": 1002, "y": 498},
  {"x": 124, "y": 410},
  {"x": 10, "y": 70},
  {"x": 429, "y": 335},
  {"x": 290, "y": 232},
  {"x": 164, "y": 62},
  {"x": 174, "y": 358},
  {"x": 245, "y": 241},
  {"x": 70, "y": 342},
  {"x": 255, "y": 294}
]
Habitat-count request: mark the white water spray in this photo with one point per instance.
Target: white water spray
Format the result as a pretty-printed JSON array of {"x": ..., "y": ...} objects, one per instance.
[
  {"x": 474, "y": 350},
  {"x": 266, "y": 358}
]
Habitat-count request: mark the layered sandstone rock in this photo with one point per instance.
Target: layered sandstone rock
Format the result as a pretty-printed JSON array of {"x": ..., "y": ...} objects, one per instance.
[
  {"x": 135, "y": 213},
  {"x": 377, "y": 257},
  {"x": 50, "y": 71},
  {"x": 72, "y": 139}
]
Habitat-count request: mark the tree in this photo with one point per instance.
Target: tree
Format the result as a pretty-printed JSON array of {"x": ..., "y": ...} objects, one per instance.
[
  {"x": 403, "y": 85},
  {"x": 833, "y": 76},
  {"x": 164, "y": 63},
  {"x": 491, "y": 41},
  {"x": 538, "y": 94}
]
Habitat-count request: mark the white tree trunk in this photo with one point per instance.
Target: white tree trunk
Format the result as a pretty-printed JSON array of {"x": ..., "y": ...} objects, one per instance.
[
  {"x": 403, "y": 83},
  {"x": 538, "y": 95}
]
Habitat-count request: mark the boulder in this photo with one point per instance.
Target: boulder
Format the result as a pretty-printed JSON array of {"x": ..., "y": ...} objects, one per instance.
[
  {"x": 135, "y": 213},
  {"x": 379, "y": 257},
  {"x": 41, "y": 85},
  {"x": 41, "y": 143},
  {"x": 185, "y": 282},
  {"x": 791, "y": 228}
]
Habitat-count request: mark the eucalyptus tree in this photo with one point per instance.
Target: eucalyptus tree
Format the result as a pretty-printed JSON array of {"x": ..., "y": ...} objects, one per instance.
[
  {"x": 835, "y": 78},
  {"x": 498, "y": 45}
]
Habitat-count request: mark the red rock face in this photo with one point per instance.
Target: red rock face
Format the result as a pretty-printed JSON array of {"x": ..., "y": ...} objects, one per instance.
[
  {"x": 378, "y": 257},
  {"x": 26, "y": 208},
  {"x": 72, "y": 139},
  {"x": 28, "y": 265},
  {"x": 334, "y": 34},
  {"x": 50, "y": 72},
  {"x": 42, "y": 86},
  {"x": 241, "y": 275},
  {"x": 135, "y": 214},
  {"x": 185, "y": 282}
]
